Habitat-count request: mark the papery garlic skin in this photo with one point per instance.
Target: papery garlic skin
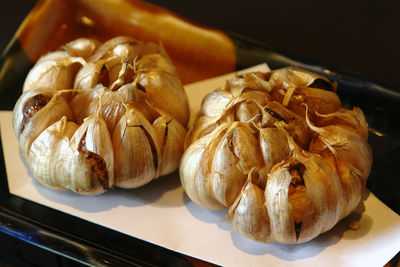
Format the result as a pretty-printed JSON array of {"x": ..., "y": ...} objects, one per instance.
[
  {"x": 57, "y": 159},
  {"x": 57, "y": 69},
  {"x": 195, "y": 182},
  {"x": 248, "y": 210},
  {"x": 296, "y": 164},
  {"x": 170, "y": 132},
  {"x": 31, "y": 118},
  {"x": 53, "y": 143},
  {"x": 96, "y": 116},
  {"x": 137, "y": 73},
  {"x": 135, "y": 141}
]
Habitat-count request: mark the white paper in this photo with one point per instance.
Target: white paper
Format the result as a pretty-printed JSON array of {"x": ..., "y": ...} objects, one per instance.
[{"x": 162, "y": 214}]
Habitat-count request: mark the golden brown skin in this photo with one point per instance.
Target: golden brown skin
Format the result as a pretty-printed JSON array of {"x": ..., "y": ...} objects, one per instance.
[
  {"x": 278, "y": 150},
  {"x": 94, "y": 116}
]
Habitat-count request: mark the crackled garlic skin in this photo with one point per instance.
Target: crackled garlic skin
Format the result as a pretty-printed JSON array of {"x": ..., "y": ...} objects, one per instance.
[
  {"x": 93, "y": 116},
  {"x": 279, "y": 151}
]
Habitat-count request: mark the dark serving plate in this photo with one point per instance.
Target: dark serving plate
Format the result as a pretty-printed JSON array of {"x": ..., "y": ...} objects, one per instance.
[{"x": 91, "y": 244}]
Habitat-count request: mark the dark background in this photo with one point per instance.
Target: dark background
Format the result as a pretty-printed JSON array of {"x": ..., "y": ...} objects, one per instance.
[{"x": 358, "y": 36}]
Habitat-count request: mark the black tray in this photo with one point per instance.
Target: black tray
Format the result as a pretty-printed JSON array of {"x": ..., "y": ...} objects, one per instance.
[{"x": 92, "y": 244}]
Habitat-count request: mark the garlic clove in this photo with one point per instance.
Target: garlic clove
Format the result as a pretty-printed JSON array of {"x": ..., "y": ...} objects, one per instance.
[
  {"x": 345, "y": 144},
  {"x": 278, "y": 206},
  {"x": 171, "y": 135},
  {"x": 319, "y": 206},
  {"x": 81, "y": 47},
  {"x": 350, "y": 119},
  {"x": 113, "y": 64},
  {"x": 34, "y": 111},
  {"x": 215, "y": 103},
  {"x": 54, "y": 70},
  {"x": 203, "y": 126},
  {"x": 157, "y": 61},
  {"x": 274, "y": 147},
  {"x": 318, "y": 100},
  {"x": 137, "y": 150},
  {"x": 259, "y": 97},
  {"x": 294, "y": 124},
  {"x": 85, "y": 103},
  {"x": 68, "y": 156},
  {"x": 91, "y": 74},
  {"x": 296, "y": 76},
  {"x": 248, "y": 112},
  {"x": 247, "y": 108},
  {"x": 352, "y": 183},
  {"x": 248, "y": 213},
  {"x": 293, "y": 86},
  {"x": 123, "y": 47},
  {"x": 163, "y": 91},
  {"x": 50, "y": 151},
  {"x": 254, "y": 81},
  {"x": 90, "y": 164},
  {"x": 231, "y": 161},
  {"x": 196, "y": 181},
  {"x": 324, "y": 197}
]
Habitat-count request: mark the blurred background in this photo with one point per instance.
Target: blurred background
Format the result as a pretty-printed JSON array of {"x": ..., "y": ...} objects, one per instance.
[{"x": 357, "y": 36}]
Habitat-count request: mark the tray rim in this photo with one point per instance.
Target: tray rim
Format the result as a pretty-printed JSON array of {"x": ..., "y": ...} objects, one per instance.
[{"x": 14, "y": 222}]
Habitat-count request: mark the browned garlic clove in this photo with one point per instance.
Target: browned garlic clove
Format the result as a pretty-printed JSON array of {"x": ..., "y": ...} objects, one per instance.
[
  {"x": 92, "y": 160},
  {"x": 294, "y": 87},
  {"x": 254, "y": 81},
  {"x": 248, "y": 108},
  {"x": 129, "y": 103},
  {"x": 353, "y": 120},
  {"x": 230, "y": 161},
  {"x": 309, "y": 157},
  {"x": 220, "y": 106},
  {"x": 318, "y": 100},
  {"x": 293, "y": 123},
  {"x": 312, "y": 210},
  {"x": 296, "y": 76},
  {"x": 347, "y": 151},
  {"x": 345, "y": 144},
  {"x": 274, "y": 147},
  {"x": 79, "y": 158},
  {"x": 34, "y": 111}
]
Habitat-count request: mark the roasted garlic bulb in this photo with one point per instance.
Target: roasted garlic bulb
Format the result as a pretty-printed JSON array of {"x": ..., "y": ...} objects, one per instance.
[
  {"x": 280, "y": 152},
  {"x": 93, "y": 116}
]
